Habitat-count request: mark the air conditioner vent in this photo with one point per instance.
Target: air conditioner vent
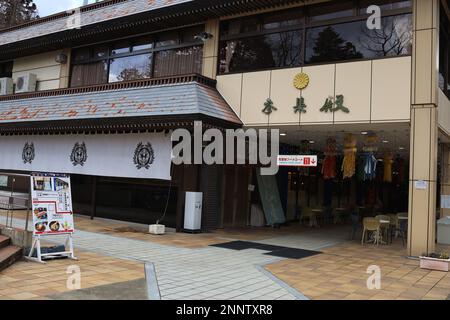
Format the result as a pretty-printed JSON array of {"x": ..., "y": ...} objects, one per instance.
[{"x": 26, "y": 83}]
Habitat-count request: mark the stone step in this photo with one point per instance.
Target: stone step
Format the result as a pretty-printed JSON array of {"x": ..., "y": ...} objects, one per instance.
[
  {"x": 4, "y": 241},
  {"x": 9, "y": 255}
]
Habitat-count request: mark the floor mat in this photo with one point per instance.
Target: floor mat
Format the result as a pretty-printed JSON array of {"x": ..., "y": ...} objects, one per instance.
[
  {"x": 277, "y": 251},
  {"x": 291, "y": 253}
]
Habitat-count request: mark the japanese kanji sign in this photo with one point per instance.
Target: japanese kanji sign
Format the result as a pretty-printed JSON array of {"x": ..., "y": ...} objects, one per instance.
[{"x": 297, "y": 161}]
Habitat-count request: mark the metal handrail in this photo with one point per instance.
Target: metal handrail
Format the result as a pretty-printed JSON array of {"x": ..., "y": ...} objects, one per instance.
[{"x": 12, "y": 204}]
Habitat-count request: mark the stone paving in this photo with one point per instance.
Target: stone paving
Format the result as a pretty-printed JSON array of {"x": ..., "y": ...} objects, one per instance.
[
  {"x": 30, "y": 280},
  {"x": 185, "y": 273},
  {"x": 187, "y": 267}
]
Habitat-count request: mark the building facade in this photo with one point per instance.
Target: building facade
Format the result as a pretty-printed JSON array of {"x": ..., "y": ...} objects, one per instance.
[{"x": 113, "y": 78}]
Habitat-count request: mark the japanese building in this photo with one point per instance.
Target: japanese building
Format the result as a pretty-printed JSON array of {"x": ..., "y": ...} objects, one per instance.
[{"x": 95, "y": 92}]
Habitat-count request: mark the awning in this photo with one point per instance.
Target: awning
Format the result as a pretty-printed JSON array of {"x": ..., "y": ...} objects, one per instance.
[{"x": 133, "y": 105}]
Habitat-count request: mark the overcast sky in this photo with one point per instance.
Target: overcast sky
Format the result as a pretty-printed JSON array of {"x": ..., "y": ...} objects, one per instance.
[{"x": 48, "y": 7}]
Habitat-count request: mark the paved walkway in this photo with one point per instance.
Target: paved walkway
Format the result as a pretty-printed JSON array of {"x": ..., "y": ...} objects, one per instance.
[{"x": 202, "y": 273}]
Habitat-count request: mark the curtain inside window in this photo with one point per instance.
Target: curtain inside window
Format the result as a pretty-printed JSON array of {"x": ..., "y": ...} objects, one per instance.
[
  {"x": 178, "y": 61},
  {"x": 89, "y": 74}
]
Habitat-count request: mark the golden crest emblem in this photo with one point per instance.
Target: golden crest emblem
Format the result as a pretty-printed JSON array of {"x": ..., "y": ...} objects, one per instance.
[{"x": 301, "y": 81}]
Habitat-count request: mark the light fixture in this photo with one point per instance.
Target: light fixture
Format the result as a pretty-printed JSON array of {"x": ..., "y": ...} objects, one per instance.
[
  {"x": 385, "y": 141},
  {"x": 401, "y": 148},
  {"x": 283, "y": 134},
  {"x": 312, "y": 142},
  {"x": 203, "y": 36},
  {"x": 364, "y": 133}
]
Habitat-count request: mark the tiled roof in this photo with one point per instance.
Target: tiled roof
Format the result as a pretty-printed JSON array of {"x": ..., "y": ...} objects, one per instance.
[
  {"x": 163, "y": 100},
  {"x": 103, "y": 13}
]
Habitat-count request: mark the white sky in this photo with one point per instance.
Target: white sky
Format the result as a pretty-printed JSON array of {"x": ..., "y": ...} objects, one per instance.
[{"x": 48, "y": 7}]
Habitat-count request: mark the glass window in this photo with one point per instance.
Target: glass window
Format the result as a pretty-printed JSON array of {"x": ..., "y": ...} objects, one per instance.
[
  {"x": 331, "y": 11},
  {"x": 121, "y": 47},
  {"x": 89, "y": 74},
  {"x": 385, "y": 5},
  {"x": 284, "y": 19},
  {"x": 354, "y": 41},
  {"x": 269, "y": 51},
  {"x": 130, "y": 68},
  {"x": 168, "y": 39},
  {"x": 82, "y": 54},
  {"x": 188, "y": 35},
  {"x": 143, "y": 43},
  {"x": 6, "y": 69},
  {"x": 101, "y": 52},
  {"x": 178, "y": 61}
]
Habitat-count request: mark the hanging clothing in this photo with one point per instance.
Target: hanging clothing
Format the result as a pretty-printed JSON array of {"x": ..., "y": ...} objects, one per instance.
[
  {"x": 360, "y": 169},
  {"x": 330, "y": 161},
  {"x": 370, "y": 167},
  {"x": 329, "y": 167},
  {"x": 388, "y": 161},
  {"x": 349, "y": 162}
]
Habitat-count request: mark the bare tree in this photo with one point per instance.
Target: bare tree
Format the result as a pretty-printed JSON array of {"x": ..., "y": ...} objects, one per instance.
[{"x": 393, "y": 39}]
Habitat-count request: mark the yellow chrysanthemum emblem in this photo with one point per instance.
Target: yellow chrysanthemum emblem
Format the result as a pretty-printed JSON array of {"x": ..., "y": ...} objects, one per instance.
[{"x": 301, "y": 81}]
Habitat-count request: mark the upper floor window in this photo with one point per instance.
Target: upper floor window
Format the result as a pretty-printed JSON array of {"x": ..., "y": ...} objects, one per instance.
[
  {"x": 165, "y": 54},
  {"x": 318, "y": 34},
  {"x": 6, "y": 69},
  {"x": 444, "y": 53}
]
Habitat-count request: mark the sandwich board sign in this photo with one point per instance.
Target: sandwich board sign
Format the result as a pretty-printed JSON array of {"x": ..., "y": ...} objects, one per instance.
[{"x": 51, "y": 202}]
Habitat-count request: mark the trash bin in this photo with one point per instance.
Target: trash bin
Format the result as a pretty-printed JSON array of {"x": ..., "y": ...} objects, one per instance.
[{"x": 443, "y": 230}]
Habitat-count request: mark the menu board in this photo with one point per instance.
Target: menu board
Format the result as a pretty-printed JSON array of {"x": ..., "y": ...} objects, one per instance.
[{"x": 51, "y": 204}]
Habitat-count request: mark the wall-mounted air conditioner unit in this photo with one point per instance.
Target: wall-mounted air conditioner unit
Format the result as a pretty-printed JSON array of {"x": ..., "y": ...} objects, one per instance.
[
  {"x": 26, "y": 83},
  {"x": 6, "y": 86}
]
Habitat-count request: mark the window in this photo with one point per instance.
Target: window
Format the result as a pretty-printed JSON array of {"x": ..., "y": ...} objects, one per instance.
[
  {"x": 317, "y": 34},
  {"x": 269, "y": 51},
  {"x": 166, "y": 54},
  {"x": 130, "y": 68},
  {"x": 331, "y": 11},
  {"x": 444, "y": 52},
  {"x": 6, "y": 69},
  {"x": 178, "y": 61},
  {"x": 354, "y": 40},
  {"x": 89, "y": 74}
]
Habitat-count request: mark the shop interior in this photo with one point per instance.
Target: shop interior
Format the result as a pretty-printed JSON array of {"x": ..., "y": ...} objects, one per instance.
[{"x": 362, "y": 172}]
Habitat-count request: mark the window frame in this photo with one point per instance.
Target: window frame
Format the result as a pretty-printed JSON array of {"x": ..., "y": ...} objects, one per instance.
[
  {"x": 4, "y": 66},
  {"x": 304, "y": 11},
  {"x": 131, "y": 43}
]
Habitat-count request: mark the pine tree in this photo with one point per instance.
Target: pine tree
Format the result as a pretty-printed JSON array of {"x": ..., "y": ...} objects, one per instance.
[
  {"x": 329, "y": 46},
  {"x": 14, "y": 12}
]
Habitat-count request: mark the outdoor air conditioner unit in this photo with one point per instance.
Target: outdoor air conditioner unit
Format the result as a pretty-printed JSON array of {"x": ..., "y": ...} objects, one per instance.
[
  {"x": 6, "y": 86},
  {"x": 26, "y": 83}
]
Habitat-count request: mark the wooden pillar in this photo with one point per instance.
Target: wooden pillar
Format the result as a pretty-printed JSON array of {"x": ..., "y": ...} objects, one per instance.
[
  {"x": 211, "y": 49},
  {"x": 424, "y": 129}
]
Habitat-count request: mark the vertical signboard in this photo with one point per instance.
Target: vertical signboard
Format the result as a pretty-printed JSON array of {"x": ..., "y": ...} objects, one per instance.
[
  {"x": 51, "y": 204},
  {"x": 51, "y": 201}
]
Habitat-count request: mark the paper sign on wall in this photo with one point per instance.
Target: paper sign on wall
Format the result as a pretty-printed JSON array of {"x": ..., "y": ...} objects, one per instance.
[{"x": 421, "y": 185}]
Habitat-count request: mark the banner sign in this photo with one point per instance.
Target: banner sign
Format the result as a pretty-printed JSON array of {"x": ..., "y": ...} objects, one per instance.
[
  {"x": 134, "y": 155},
  {"x": 297, "y": 161},
  {"x": 51, "y": 204}
]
